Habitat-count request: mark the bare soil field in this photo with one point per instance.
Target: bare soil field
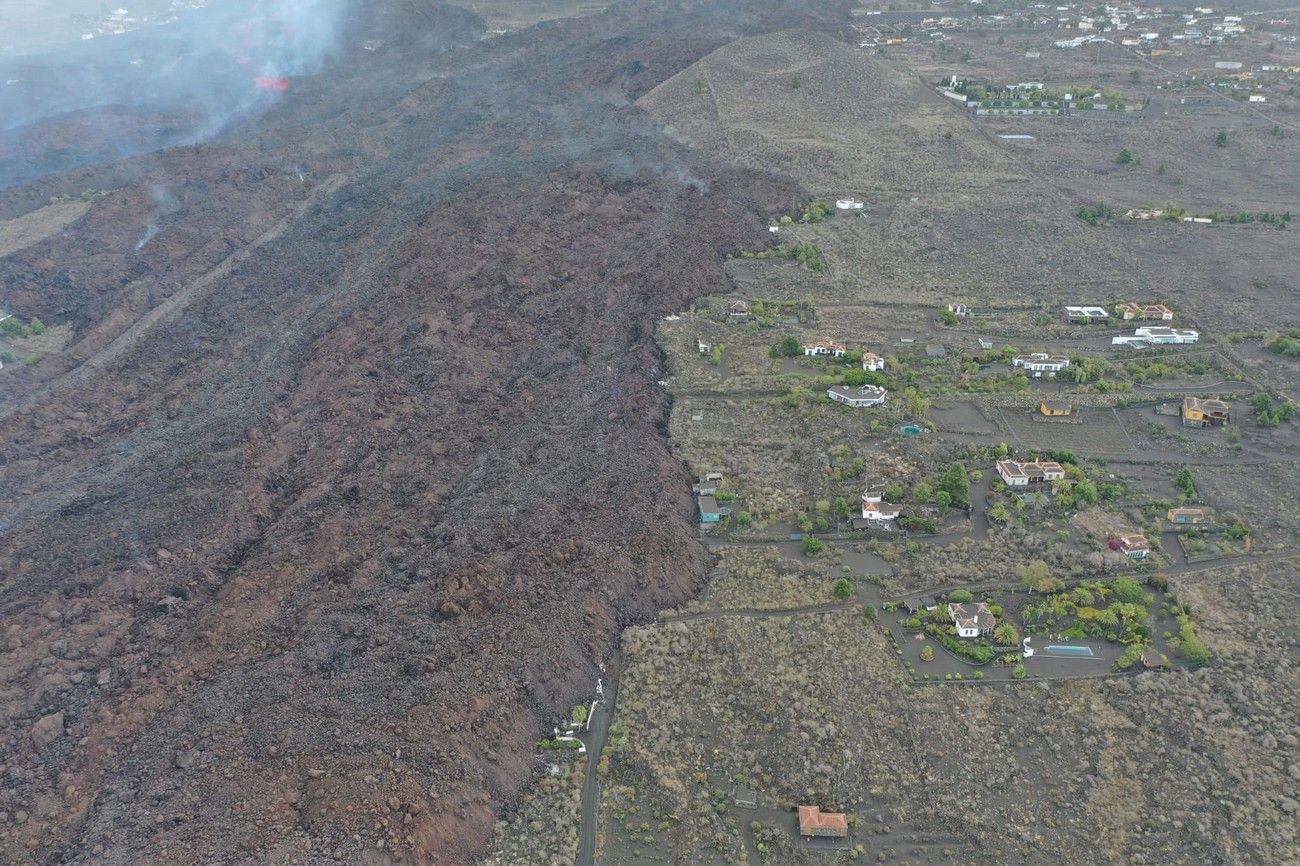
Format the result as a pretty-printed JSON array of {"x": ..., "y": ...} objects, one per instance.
[
  {"x": 1100, "y": 433},
  {"x": 23, "y": 231}
]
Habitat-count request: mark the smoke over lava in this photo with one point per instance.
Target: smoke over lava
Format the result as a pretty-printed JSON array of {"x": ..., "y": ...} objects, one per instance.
[{"x": 200, "y": 67}]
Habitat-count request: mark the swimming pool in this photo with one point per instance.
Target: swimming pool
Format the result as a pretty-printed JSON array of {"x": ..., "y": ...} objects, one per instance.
[
  {"x": 911, "y": 430},
  {"x": 1057, "y": 650}
]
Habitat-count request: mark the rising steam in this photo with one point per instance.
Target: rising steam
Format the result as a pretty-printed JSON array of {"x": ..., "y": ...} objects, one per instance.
[{"x": 204, "y": 67}]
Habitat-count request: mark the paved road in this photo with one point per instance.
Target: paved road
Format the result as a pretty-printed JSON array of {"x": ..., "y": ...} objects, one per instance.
[{"x": 594, "y": 739}]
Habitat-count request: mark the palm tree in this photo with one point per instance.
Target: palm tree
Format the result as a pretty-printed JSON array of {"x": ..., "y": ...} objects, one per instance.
[{"x": 1006, "y": 635}]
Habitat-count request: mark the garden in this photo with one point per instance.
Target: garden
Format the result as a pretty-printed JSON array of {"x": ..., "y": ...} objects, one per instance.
[{"x": 1114, "y": 621}]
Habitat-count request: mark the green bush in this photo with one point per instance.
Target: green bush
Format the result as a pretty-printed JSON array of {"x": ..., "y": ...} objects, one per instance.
[
  {"x": 1018, "y": 672},
  {"x": 1127, "y": 590},
  {"x": 960, "y": 596},
  {"x": 812, "y": 546},
  {"x": 789, "y": 347},
  {"x": 841, "y": 588}
]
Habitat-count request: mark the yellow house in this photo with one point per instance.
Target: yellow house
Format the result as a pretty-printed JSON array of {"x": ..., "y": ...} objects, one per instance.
[
  {"x": 1055, "y": 408},
  {"x": 1202, "y": 413}
]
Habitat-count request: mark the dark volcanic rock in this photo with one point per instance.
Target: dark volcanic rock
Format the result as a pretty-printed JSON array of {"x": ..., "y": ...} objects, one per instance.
[{"x": 396, "y": 425}]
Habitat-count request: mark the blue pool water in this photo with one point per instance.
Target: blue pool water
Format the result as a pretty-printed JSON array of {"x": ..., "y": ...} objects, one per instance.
[
  {"x": 1057, "y": 650},
  {"x": 911, "y": 430}
]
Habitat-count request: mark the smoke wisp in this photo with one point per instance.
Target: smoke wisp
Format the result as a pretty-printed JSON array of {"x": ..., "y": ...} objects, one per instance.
[{"x": 199, "y": 66}]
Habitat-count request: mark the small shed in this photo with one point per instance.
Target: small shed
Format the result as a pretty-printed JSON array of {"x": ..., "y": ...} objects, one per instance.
[
  {"x": 744, "y": 798},
  {"x": 1055, "y": 408}
]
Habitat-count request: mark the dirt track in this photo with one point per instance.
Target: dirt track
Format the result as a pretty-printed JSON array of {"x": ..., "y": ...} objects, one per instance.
[{"x": 307, "y": 567}]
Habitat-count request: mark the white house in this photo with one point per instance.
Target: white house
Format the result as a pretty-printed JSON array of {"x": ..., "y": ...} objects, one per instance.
[
  {"x": 875, "y": 508},
  {"x": 823, "y": 347},
  {"x": 703, "y": 347},
  {"x": 1039, "y": 363},
  {"x": 1086, "y": 314},
  {"x": 872, "y": 361},
  {"x": 848, "y": 204},
  {"x": 1160, "y": 335},
  {"x": 865, "y": 396},
  {"x": 1016, "y": 474},
  {"x": 972, "y": 619},
  {"x": 1257, "y": 97}
]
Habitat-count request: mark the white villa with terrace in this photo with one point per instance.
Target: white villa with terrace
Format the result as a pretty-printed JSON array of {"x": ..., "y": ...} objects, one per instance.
[
  {"x": 1039, "y": 363},
  {"x": 872, "y": 361}
]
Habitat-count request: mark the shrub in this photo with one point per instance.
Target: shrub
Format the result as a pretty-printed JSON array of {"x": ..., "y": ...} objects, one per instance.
[
  {"x": 956, "y": 483},
  {"x": 869, "y": 612},
  {"x": 1093, "y": 214},
  {"x": 1221, "y": 138},
  {"x": 841, "y": 588},
  {"x": 978, "y": 675},
  {"x": 1018, "y": 672},
  {"x": 1189, "y": 643},
  {"x": 927, "y": 653},
  {"x": 744, "y": 518},
  {"x": 789, "y": 347},
  {"x": 36, "y": 326},
  {"x": 960, "y": 596},
  {"x": 812, "y": 546},
  {"x": 1127, "y": 590},
  {"x": 1129, "y": 658}
]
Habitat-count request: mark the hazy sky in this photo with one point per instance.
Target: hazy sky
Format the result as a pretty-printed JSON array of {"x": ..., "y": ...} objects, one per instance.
[{"x": 28, "y": 25}]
